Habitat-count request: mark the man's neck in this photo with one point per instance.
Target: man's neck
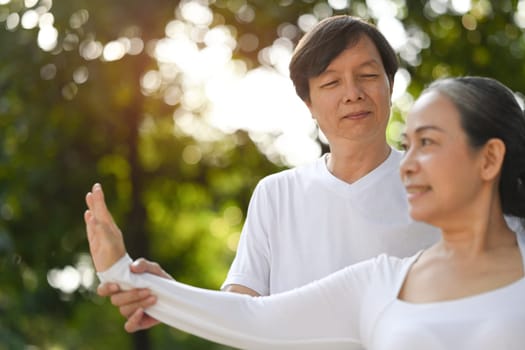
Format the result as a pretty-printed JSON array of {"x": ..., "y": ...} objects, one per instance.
[{"x": 350, "y": 165}]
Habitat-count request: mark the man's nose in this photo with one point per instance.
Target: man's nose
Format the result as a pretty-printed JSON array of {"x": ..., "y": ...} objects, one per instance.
[{"x": 353, "y": 92}]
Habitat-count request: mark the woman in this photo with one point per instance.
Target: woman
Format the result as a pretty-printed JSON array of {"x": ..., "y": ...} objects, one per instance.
[{"x": 463, "y": 170}]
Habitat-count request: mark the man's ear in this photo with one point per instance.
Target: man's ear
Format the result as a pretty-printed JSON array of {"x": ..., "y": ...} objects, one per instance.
[
  {"x": 308, "y": 104},
  {"x": 493, "y": 155}
]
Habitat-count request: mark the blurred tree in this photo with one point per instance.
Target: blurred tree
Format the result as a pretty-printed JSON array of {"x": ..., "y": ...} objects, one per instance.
[{"x": 88, "y": 93}]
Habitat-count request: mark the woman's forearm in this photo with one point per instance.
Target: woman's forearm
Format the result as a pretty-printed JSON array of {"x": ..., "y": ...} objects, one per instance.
[{"x": 306, "y": 318}]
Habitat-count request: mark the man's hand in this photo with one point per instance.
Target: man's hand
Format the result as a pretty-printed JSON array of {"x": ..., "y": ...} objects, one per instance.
[
  {"x": 106, "y": 243},
  {"x": 131, "y": 303},
  {"x": 237, "y": 288}
]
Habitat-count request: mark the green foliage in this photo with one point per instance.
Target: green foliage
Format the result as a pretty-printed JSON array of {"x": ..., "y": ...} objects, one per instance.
[{"x": 67, "y": 121}]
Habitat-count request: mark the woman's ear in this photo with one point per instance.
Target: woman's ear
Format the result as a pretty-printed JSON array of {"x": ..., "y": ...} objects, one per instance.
[{"x": 493, "y": 155}]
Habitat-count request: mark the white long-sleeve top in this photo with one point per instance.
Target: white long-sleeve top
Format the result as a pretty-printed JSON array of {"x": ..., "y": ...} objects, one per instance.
[{"x": 354, "y": 308}]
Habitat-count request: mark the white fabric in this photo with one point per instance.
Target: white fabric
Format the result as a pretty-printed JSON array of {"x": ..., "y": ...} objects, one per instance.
[
  {"x": 305, "y": 223},
  {"x": 354, "y": 307}
]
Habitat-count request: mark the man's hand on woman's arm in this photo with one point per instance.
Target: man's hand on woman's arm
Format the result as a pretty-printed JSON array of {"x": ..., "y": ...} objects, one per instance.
[{"x": 131, "y": 303}]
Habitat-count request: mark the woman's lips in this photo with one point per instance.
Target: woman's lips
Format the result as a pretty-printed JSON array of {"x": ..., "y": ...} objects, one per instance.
[{"x": 415, "y": 191}]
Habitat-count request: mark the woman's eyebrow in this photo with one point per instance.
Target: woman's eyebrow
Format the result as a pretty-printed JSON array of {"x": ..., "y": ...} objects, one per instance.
[{"x": 422, "y": 128}]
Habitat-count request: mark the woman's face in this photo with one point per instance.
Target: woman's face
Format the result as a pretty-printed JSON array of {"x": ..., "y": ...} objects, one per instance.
[{"x": 440, "y": 171}]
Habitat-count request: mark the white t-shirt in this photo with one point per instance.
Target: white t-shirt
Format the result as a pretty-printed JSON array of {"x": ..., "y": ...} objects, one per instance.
[
  {"x": 354, "y": 308},
  {"x": 305, "y": 223}
]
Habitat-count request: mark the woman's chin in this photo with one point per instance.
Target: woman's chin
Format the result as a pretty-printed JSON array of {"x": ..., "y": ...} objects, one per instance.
[{"x": 419, "y": 215}]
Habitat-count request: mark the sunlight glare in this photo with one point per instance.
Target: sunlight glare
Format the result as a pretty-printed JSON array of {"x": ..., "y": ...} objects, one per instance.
[
  {"x": 401, "y": 81},
  {"x": 150, "y": 82},
  {"x": 382, "y": 8},
  {"x": 113, "y": 51},
  {"x": 181, "y": 51},
  {"x": 220, "y": 36},
  {"x": 519, "y": 15},
  {"x": 85, "y": 268},
  {"x": 12, "y": 21},
  {"x": 338, "y": 4},
  {"x": 71, "y": 278},
  {"x": 297, "y": 148},
  {"x": 248, "y": 42},
  {"x": 47, "y": 38},
  {"x": 67, "y": 279},
  {"x": 47, "y": 4},
  {"x": 136, "y": 45},
  {"x": 193, "y": 99},
  {"x": 29, "y": 19},
  {"x": 172, "y": 95},
  {"x": 307, "y": 22},
  {"x": 78, "y": 19},
  {"x": 438, "y": 6},
  {"x": 196, "y": 13},
  {"x": 264, "y": 101},
  {"x": 70, "y": 42},
  {"x": 322, "y": 10},
  {"x": 46, "y": 19},
  {"x": 198, "y": 128},
  {"x": 91, "y": 49},
  {"x": 245, "y": 14},
  {"x": 280, "y": 54},
  {"x": 80, "y": 75},
  {"x": 30, "y": 3},
  {"x": 175, "y": 28},
  {"x": 212, "y": 58},
  {"x": 461, "y": 6},
  {"x": 393, "y": 30}
]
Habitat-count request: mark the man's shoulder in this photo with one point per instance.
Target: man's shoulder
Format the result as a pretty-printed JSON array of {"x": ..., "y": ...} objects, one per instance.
[{"x": 294, "y": 174}]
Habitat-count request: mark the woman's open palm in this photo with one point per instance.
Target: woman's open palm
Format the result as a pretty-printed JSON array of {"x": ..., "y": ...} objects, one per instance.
[{"x": 105, "y": 239}]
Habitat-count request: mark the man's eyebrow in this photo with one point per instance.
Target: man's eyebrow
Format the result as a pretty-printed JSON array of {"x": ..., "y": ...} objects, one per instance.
[
  {"x": 371, "y": 62},
  {"x": 424, "y": 128}
]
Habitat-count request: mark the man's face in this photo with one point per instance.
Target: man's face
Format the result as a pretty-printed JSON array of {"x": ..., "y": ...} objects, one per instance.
[{"x": 351, "y": 99}]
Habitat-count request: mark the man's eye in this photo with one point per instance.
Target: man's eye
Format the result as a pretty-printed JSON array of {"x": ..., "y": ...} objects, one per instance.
[{"x": 329, "y": 84}]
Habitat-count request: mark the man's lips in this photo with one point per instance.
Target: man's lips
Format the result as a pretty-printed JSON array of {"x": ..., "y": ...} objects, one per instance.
[{"x": 357, "y": 115}]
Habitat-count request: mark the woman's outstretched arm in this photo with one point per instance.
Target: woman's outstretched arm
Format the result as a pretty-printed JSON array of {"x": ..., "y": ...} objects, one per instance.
[{"x": 320, "y": 315}]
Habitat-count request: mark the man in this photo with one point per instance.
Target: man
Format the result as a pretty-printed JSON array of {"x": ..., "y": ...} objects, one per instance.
[{"x": 349, "y": 205}]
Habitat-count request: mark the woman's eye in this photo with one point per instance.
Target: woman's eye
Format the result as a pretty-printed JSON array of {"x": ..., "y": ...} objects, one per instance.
[{"x": 425, "y": 141}]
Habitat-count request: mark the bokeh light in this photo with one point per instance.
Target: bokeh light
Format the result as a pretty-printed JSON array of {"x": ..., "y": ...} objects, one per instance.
[{"x": 197, "y": 73}]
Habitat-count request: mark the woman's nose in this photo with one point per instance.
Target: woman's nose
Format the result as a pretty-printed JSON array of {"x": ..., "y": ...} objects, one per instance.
[{"x": 408, "y": 164}]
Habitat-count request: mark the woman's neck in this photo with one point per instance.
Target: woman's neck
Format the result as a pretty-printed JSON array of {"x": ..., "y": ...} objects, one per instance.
[{"x": 476, "y": 236}]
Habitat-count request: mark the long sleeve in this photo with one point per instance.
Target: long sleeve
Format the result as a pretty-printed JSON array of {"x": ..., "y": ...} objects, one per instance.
[{"x": 322, "y": 315}]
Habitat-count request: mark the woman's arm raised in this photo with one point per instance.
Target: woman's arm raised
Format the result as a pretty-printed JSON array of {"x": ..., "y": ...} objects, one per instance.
[{"x": 317, "y": 316}]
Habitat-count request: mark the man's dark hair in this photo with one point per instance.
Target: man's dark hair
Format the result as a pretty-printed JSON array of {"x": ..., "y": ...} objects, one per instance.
[{"x": 320, "y": 46}]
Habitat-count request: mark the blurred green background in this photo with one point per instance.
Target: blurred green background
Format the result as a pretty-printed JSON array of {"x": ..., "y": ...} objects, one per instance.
[{"x": 121, "y": 92}]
